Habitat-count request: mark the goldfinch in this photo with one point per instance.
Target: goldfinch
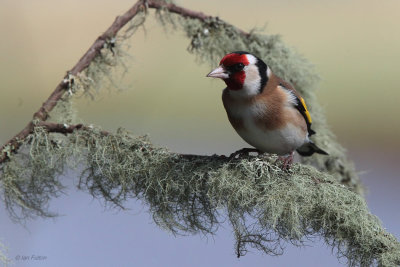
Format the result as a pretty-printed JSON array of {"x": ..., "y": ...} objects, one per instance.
[{"x": 266, "y": 111}]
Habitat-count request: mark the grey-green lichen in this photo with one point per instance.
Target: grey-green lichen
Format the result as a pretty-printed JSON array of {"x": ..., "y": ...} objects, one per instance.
[
  {"x": 3, "y": 256},
  {"x": 31, "y": 178},
  {"x": 265, "y": 205},
  {"x": 108, "y": 68}
]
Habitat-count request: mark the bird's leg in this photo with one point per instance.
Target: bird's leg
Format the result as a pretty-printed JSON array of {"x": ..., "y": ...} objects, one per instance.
[
  {"x": 244, "y": 151},
  {"x": 286, "y": 161}
]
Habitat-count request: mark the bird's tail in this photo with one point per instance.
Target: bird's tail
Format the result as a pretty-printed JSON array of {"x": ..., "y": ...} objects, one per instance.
[{"x": 310, "y": 148}]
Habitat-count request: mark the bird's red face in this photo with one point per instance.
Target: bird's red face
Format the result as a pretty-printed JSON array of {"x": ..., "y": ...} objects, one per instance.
[
  {"x": 244, "y": 74},
  {"x": 232, "y": 70}
]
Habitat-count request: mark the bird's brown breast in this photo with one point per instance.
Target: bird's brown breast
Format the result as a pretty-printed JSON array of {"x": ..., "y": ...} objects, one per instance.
[
  {"x": 273, "y": 116},
  {"x": 270, "y": 110}
]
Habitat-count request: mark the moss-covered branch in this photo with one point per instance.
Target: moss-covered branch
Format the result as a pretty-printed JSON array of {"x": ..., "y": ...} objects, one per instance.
[{"x": 190, "y": 194}]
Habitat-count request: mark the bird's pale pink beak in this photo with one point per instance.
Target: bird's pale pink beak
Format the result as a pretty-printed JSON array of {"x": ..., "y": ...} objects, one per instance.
[{"x": 219, "y": 72}]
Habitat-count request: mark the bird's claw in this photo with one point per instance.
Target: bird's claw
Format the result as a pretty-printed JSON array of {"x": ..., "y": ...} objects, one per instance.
[
  {"x": 244, "y": 151},
  {"x": 286, "y": 161}
]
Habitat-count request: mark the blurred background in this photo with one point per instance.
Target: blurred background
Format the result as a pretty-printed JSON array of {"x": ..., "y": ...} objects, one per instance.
[{"x": 354, "y": 46}]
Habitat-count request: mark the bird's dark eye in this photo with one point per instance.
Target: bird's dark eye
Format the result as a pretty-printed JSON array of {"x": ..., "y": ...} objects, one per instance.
[
  {"x": 236, "y": 67},
  {"x": 239, "y": 66}
]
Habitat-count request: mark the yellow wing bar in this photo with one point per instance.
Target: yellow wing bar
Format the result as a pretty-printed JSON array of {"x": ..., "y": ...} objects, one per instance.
[{"x": 306, "y": 110}]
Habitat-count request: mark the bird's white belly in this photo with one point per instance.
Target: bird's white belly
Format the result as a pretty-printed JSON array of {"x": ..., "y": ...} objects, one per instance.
[{"x": 280, "y": 141}]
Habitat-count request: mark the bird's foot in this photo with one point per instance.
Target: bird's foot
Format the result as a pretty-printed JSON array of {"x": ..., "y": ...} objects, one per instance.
[
  {"x": 286, "y": 161},
  {"x": 244, "y": 151}
]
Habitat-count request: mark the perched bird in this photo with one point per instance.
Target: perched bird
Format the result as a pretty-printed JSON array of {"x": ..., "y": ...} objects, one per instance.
[{"x": 266, "y": 111}]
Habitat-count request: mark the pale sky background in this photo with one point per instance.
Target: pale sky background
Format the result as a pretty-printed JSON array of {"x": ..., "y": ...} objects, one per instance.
[{"x": 353, "y": 44}]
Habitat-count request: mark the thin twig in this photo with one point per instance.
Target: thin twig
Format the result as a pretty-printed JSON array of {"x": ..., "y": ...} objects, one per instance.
[
  {"x": 42, "y": 114},
  {"x": 186, "y": 12},
  {"x": 53, "y": 127},
  {"x": 83, "y": 63}
]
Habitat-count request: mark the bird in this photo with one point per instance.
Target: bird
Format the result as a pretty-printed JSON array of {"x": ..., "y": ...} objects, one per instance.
[{"x": 266, "y": 111}]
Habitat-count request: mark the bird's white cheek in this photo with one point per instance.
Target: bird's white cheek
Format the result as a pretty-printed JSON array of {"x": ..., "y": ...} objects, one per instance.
[
  {"x": 252, "y": 81},
  {"x": 252, "y": 87}
]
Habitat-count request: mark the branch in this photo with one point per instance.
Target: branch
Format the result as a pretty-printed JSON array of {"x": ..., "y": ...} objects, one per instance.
[
  {"x": 53, "y": 127},
  {"x": 42, "y": 114},
  {"x": 184, "y": 12},
  {"x": 186, "y": 193}
]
